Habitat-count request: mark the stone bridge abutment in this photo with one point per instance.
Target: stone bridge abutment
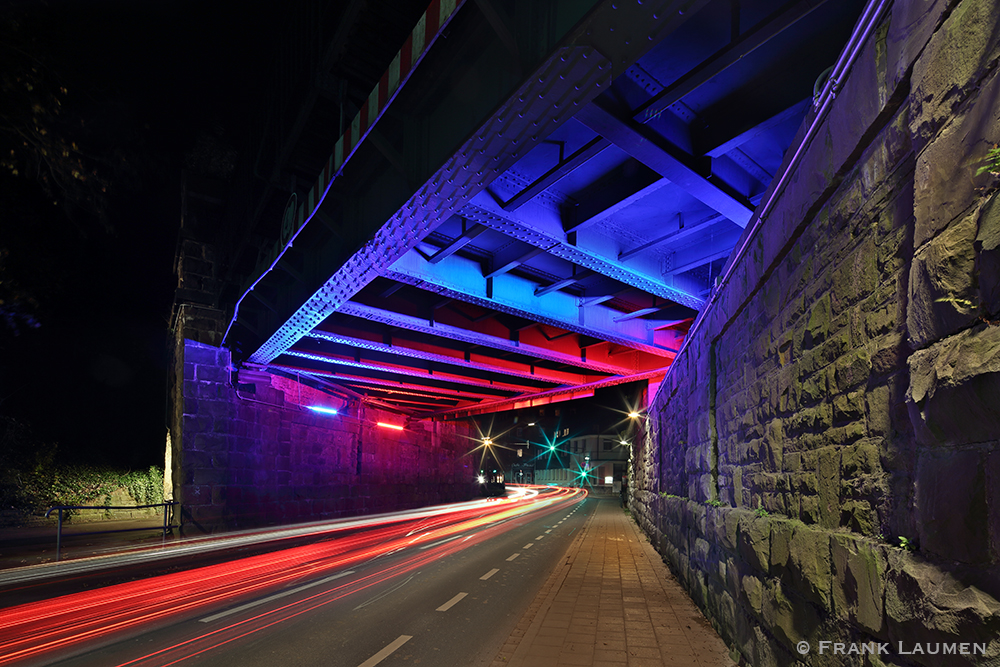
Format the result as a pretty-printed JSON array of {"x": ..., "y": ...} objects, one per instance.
[{"x": 822, "y": 462}]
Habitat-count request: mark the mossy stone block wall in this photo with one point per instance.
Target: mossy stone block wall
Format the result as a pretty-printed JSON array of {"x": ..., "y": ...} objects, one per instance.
[{"x": 822, "y": 463}]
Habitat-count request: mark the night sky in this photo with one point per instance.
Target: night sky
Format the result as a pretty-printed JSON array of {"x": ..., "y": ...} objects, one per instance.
[{"x": 151, "y": 78}]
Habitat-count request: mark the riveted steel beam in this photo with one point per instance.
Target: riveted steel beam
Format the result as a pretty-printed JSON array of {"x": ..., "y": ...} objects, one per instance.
[
  {"x": 591, "y": 149},
  {"x": 541, "y": 227},
  {"x": 675, "y": 236},
  {"x": 725, "y": 144},
  {"x": 543, "y": 397},
  {"x": 457, "y": 244},
  {"x": 461, "y": 278},
  {"x": 569, "y": 78},
  {"x": 748, "y": 42},
  {"x": 484, "y": 363},
  {"x": 687, "y": 265},
  {"x": 421, "y": 378},
  {"x": 344, "y": 375},
  {"x": 608, "y": 201},
  {"x": 479, "y": 338},
  {"x": 635, "y": 140},
  {"x": 510, "y": 260}
]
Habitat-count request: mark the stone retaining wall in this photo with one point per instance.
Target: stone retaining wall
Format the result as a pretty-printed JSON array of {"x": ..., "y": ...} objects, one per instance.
[
  {"x": 823, "y": 460},
  {"x": 249, "y": 452}
]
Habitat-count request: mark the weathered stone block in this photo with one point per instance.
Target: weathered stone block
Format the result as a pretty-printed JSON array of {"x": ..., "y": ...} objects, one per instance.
[
  {"x": 993, "y": 501},
  {"x": 818, "y": 326},
  {"x": 952, "y": 65},
  {"x": 955, "y": 388},
  {"x": 809, "y": 564},
  {"x": 848, "y": 407},
  {"x": 859, "y": 582},
  {"x": 925, "y": 604},
  {"x": 890, "y": 355},
  {"x": 943, "y": 296},
  {"x": 210, "y": 373},
  {"x": 781, "y": 537},
  {"x": 858, "y": 516},
  {"x": 952, "y": 515},
  {"x": 753, "y": 592},
  {"x": 987, "y": 245},
  {"x": 861, "y": 458},
  {"x": 946, "y": 183},
  {"x": 853, "y": 369},
  {"x": 828, "y": 476},
  {"x": 755, "y": 541},
  {"x": 790, "y": 620}
]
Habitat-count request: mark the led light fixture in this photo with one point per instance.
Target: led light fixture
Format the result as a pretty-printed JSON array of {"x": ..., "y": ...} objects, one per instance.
[{"x": 392, "y": 426}]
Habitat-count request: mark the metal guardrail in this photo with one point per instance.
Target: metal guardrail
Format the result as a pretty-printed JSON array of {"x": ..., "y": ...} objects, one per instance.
[{"x": 61, "y": 508}]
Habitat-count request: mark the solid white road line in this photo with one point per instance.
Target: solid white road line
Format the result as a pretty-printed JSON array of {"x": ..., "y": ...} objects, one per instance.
[
  {"x": 452, "y": 602},
  {"x": 250, "y": 605},
  {"x": 387, "y": 593},
  {"x": 490, "y": 573},
  {"x": 514, "y": 556},
  {"x": 386, "y": 652},
  {"x": 439, "y": 542}
]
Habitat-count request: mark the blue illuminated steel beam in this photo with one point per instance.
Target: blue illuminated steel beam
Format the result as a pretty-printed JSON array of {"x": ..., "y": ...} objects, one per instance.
[
  {"x": 610, "y": 200},
  {"x": 461, "y": 278},
  {"x": 511, "y": 259},
  {"x": 457, "y": 244},
  {"x": 591, "y": 149},
  {"x": 541, "y": 226},
  {"x": 689, "y": 264},
  {"x": 632, "y": 139},
  {"x": 674, "y": 236},
  {"x": 772, "y": 26}
]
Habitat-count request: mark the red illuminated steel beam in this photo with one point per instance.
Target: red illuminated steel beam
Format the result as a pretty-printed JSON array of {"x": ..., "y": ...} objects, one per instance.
[
  {"x": 474, "y": 337},
  {"x": 550, "y": 396},
  {"x": 446, "y": 355}
]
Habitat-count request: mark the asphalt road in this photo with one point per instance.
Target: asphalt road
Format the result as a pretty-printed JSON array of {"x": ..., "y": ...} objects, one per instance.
[{"x": 449, "y": 602}]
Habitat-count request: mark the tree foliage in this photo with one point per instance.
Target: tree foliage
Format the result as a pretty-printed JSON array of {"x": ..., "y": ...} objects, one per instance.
[{"x": 61, "y": 157}]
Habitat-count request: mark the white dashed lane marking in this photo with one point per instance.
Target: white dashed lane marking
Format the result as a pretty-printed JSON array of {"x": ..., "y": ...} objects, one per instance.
[
  {"x": 291, "y": 591},
  {"x": 386, "y": 652},
  {"x": 452, "y": 602}
]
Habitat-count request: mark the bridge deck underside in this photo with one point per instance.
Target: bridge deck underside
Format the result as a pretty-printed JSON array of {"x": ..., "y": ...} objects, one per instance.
[{"x": 543, "y": 208}]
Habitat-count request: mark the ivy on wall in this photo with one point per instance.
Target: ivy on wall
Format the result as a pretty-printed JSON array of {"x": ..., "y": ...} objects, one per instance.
[{"x": 32, "y": 481}]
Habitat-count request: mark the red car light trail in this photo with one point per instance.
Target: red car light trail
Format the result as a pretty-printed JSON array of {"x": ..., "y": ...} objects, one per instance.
[{"x": 78, "y": 621}]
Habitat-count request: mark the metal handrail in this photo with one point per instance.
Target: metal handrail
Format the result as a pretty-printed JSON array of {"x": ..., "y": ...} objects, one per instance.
[{"x": 166, "y": 505}]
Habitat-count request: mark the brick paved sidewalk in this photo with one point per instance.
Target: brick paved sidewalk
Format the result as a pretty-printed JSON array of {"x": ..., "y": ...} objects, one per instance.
[{"x": 611, "y": 603}]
